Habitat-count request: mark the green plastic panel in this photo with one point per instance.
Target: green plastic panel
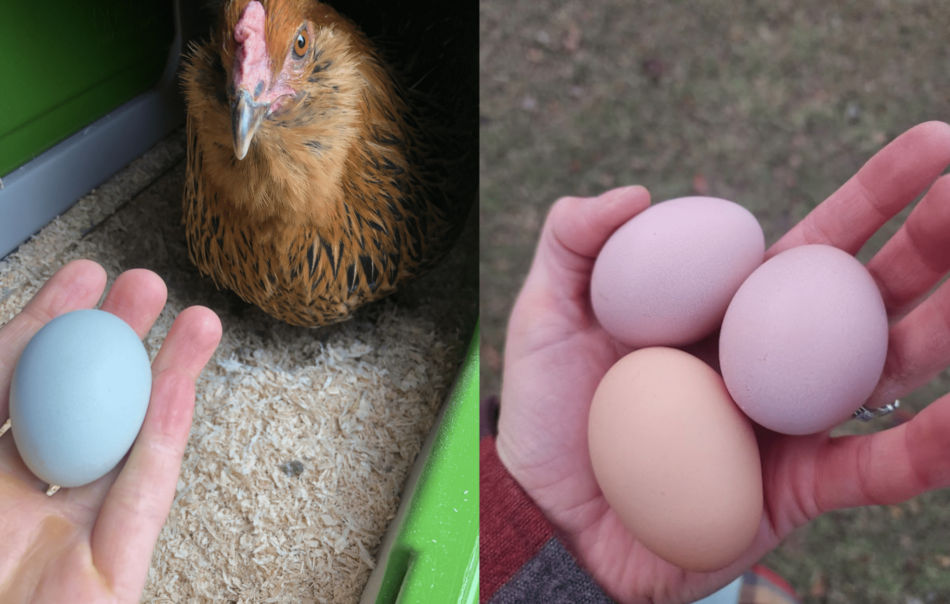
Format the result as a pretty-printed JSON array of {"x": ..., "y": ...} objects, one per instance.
[
  {"x": 434, "y": 557},
  {"x": 64, "y": 64}
]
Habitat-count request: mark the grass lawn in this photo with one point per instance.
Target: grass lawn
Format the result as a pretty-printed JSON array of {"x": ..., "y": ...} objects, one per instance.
[{"x": 772, "y": 104}]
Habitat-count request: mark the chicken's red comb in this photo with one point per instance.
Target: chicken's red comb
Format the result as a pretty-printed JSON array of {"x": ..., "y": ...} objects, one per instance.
[{"x": 252, "y": 67}]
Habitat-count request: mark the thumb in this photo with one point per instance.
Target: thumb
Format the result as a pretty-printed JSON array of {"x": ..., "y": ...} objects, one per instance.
[
  {"x": 573, "y": 234},
  {"x": 581, "y": 225}
]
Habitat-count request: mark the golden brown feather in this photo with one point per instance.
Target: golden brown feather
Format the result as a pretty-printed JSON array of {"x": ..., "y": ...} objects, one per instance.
[{"x": 349, "y": 189}]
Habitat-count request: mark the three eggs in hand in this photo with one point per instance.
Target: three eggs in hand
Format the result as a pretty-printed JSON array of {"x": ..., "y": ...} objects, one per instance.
[{"x": 802, "y": 345}]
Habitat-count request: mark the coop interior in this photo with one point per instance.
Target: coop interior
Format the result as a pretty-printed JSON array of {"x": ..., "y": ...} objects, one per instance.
[{"x": 303, "y": 468}]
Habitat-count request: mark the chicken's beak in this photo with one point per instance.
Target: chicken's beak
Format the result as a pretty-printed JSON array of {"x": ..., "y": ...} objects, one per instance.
[{"x": 246, "y": 116}]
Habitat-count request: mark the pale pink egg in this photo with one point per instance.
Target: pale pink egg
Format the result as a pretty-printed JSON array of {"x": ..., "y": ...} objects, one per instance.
[
  {"x": 665, "y": 278},
  {"x": 804, "y": 340}
]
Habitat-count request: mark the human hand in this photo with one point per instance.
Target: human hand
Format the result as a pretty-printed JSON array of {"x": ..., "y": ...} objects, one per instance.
[
  {"x": 94, "y": 543},
  {"x": 556, "y": 354}
]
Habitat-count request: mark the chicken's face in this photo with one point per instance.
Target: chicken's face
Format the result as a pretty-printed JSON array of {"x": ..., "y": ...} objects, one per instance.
[{"x": 270, "y": 62}]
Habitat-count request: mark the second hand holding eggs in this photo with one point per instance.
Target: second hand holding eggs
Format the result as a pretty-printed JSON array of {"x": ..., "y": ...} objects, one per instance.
[{"x": 802, "y": 346}]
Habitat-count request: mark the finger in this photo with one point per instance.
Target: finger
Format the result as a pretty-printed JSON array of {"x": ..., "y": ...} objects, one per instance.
[
  {"x": 77, "y": 285},
  {"x": 918, "y": 349},
  {"x": 574, "y": 233},
  {"x": 138, "y": 503},
  {"x": 887, "y": 467},
  {"x": 555, "y": 298},
  {"x": 582, "y": 225},
  {"x": 186, "y": 351},
  {"x": 918, "y": 255},
  {"x": 137, "y": 297},
  {"x": 888, "y": 182}
]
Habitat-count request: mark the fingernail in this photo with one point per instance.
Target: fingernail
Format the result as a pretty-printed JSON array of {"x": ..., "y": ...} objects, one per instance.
[{"x": 620, "y": 193}]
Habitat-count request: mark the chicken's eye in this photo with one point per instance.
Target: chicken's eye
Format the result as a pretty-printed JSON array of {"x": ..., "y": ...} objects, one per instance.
[{"x": 301, "y": 44}]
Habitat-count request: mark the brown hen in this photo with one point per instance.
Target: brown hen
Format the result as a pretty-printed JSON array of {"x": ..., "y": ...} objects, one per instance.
[{"x": 317, "y": 180}]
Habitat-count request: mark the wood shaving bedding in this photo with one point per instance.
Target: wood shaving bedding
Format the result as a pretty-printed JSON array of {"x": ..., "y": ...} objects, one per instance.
[{"x": 302, "y": 439}]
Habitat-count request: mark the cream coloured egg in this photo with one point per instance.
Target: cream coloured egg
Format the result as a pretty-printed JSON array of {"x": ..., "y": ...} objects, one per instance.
[
  {"x": 803, "y": 342},
  {"x": 676, "y": 459},
  {"x": 665, "y": 278}
]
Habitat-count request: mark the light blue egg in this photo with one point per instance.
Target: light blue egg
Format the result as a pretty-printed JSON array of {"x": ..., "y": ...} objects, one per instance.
[{"x": 78, "y": 397}]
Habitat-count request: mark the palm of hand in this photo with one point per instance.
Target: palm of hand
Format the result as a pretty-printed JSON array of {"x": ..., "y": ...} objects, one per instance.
[
  {"x": 94, "y": 543},
  {"x": 48, "y": 540},
  {"x": 557, "y": 353}
]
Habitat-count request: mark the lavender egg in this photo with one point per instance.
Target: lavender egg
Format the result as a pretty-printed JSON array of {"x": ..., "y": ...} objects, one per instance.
[
  {"x": 665, "y": 278},
  {"x": 804, "y": 340}
]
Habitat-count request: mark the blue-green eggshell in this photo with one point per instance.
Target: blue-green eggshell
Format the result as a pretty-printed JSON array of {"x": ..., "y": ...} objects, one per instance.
[{"x": 79, "y": 396}]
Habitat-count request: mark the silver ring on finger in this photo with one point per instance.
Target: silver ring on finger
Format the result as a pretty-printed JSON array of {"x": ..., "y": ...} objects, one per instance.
[{"x": 865, "y": 415}]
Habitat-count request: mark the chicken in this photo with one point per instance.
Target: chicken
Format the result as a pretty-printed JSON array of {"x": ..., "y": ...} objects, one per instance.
[{"x": 317, "y": 179}]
